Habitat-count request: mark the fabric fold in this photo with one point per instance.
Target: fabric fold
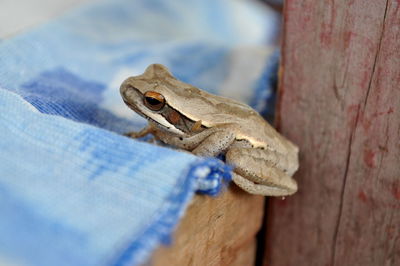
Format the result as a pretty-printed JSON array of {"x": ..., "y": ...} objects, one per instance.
[{"x": 73, "y": 190}]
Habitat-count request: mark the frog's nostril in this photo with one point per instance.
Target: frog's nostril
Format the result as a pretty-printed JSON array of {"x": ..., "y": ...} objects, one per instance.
[{"x": 123, "y": 92}]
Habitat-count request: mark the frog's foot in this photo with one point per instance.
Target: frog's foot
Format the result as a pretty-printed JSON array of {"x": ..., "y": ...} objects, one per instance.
[
  {"x": 258, "y": 189},
  {"x": 132, "y": 134},
  {"x": 139, "y": 134},
  {"x": 255, "y": 173}
]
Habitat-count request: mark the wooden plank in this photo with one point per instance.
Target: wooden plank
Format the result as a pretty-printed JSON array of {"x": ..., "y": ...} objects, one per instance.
[
  {"x": 340, "y": 101},
  {"x": 216, "y": 231}
]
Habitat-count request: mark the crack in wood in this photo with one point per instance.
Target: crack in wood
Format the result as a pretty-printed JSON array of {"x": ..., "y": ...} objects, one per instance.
[
  {"x": 343, "y": 188},
  {"x": 338, "y": 89},
  {"x": 391, "y": 256},
  {"x": 385, "y": 145},
  {"x": 352, "y": 132},
  {"x": 376, "y": 54}
]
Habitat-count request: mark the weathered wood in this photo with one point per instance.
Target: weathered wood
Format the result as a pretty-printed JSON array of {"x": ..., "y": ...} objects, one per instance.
[
  {"x": 216, "y": 231},
  {"x": 340, "y": 101}
]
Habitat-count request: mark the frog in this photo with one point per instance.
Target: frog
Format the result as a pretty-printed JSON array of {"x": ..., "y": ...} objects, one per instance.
[{"x": 209, "y": 125}]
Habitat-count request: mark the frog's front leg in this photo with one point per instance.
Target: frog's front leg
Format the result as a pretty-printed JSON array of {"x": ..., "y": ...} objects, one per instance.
[
  {"x": 209, "y": 142},
  {"x": 262, "y": 172},
  {"x": 148, "y": 129}
]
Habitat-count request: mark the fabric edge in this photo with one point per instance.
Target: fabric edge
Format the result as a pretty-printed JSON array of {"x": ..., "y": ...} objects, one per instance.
[{"x": 140, "y": 250}]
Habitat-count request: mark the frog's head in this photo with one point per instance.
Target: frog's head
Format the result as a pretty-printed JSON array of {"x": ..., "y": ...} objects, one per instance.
[{"x": 154, "y": 95}]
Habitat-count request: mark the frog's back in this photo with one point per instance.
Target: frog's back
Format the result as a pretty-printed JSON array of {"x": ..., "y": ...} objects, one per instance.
[
  {"x": 250, "y": 124},
  {"x": 214, "y": 110}
]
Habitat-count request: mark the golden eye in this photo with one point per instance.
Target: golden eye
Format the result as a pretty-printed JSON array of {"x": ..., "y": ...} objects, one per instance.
[{"x": 154, "y": 101}]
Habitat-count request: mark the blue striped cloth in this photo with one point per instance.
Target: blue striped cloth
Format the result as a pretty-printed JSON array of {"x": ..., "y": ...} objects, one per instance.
[{"x": 73, "y": 190}]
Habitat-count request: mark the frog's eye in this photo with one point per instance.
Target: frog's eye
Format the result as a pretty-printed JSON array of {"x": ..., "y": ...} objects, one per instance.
[{"x": 154, "y": 101}]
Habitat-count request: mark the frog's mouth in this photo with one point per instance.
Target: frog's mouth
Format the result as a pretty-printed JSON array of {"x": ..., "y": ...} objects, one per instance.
[
  {"x": 134, "y": 108},
  {"x": 156, "y": 118},
  {"x": 133, "y": 95},
  {"x": 137, "y": 110}
]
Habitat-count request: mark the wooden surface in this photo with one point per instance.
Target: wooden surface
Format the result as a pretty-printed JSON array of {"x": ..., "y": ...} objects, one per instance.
[
  {"x": 340, "y": 101},
  {"x": 216, "y": 231}
]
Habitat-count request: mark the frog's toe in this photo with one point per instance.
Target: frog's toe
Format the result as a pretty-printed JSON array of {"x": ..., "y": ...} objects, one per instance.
[
  {"x": 264, "y": 159},
  {"x": 260, "y": 189},
  {"x": 130, "y": 134},
  {"x": 254, "y": 172},
  {"x": 272, "y": 178}
]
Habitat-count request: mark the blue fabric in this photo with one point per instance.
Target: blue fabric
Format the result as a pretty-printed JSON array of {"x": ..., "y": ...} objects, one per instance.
[{"x": 73, "y": 190}]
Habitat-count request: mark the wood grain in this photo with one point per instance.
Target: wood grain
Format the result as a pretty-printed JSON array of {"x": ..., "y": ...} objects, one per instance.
[
  {"x": 340, "y": 102},
  {"x": 216, "y": 231}
]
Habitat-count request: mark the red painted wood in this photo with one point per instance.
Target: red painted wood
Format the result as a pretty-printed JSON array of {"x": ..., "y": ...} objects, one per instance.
[{"x": 340, "y": 102}]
